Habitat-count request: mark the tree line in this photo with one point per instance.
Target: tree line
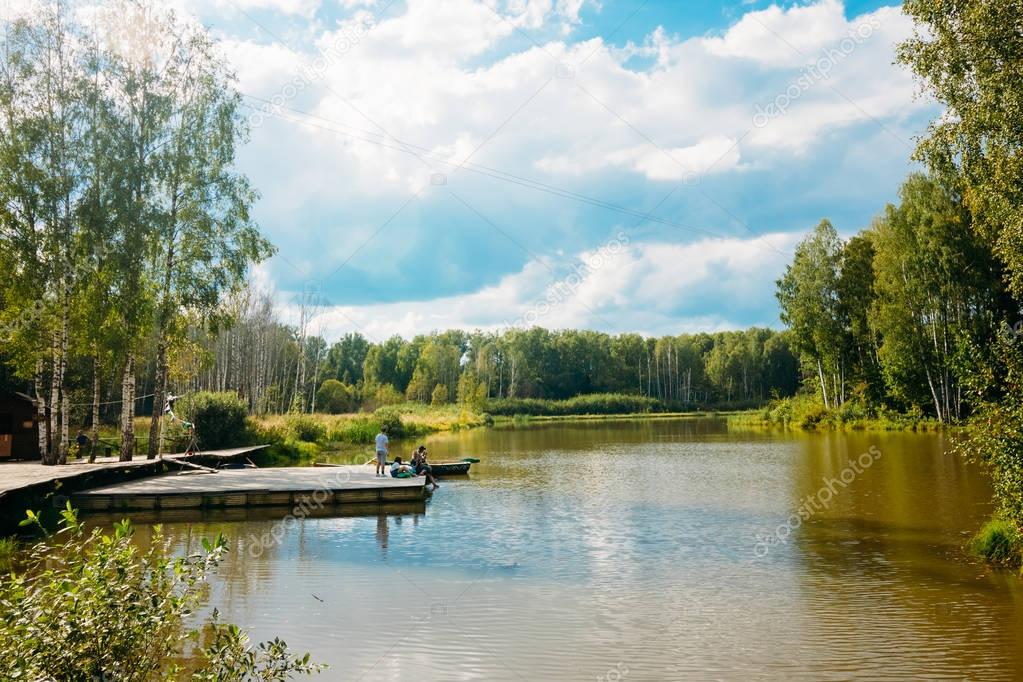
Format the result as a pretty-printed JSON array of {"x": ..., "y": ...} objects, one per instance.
[
  {"x": 280, "y": 368},
  {"x": 123, "y": 221}
]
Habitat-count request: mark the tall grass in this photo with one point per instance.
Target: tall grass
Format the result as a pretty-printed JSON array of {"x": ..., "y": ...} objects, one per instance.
[
  {"x": 8, "y": 550},
  {"x": 299, "y": 438},
  {"x": 601, "y": 403},
  {"x": 999, "y": 542}
]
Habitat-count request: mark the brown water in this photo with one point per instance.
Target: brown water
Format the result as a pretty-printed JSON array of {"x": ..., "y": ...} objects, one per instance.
[{"x": 644, "y": 550}]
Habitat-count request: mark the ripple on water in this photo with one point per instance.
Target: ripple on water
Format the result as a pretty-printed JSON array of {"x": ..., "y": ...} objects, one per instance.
[{"x": 594, "y": 551}]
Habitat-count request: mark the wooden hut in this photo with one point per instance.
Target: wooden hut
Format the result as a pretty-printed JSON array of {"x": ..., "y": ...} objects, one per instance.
[{"x": 19, "y": 427}]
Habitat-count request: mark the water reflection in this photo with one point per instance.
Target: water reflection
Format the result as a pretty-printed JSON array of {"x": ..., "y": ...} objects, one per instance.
[{"x": 578, "y": 549}]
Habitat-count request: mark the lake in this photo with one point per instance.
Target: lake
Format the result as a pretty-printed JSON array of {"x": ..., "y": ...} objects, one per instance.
[{"x": 643, "y": 550}]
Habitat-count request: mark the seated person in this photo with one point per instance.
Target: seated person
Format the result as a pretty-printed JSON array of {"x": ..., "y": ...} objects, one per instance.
[
  {"x": 399, "y": 470},
  {"x": 421, "y": 467}
]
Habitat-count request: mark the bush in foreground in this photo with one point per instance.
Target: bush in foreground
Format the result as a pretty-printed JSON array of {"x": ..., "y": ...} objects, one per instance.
[{"x": 93, "y": 606}]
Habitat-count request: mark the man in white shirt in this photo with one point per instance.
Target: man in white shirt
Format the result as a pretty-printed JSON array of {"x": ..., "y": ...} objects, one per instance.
[{"x": 383, "y": 445}]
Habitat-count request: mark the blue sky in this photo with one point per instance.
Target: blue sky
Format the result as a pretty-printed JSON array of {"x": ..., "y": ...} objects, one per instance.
[{"x": 622, "y": 166}]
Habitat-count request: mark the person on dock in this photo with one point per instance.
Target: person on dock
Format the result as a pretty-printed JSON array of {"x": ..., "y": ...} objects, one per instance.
[
  {"x": 401, "y": 470},
  {"x": 422, "y": 468},
  {"x": 382, "y": 445}
]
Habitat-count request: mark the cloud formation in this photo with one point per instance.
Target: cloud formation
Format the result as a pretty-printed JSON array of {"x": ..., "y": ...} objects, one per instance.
[
  {"x": 437, "y": 158},
  {"x": 647, "y": 287}
]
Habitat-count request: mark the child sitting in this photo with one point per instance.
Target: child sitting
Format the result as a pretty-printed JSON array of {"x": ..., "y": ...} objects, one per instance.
[{"x": 399, "y": 470}]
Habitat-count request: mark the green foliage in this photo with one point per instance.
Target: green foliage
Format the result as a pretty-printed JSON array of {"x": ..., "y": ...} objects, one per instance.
[
  {"x": 334, "y": 397},
  {"x": 124, "y": 219},
  {"x": 808, "y": 296},
  {"x": 8, "y": 550},
  {"x": 580, "y": 405},
  {"x": 93, "y": 605},
  {"x": 999, "y": 542},
  {"x": 472, "y": 393},
  {"x": 996, "y": 433},
  {"x": 966, "y": 55},
  {"x": 888, "y": 318},
  {"x": 558, "y": 365},
  {"x": 389, "y": 418},
  {"x": 219, "y": 418},
  {"x": 357, "y": 430},
  {"x": 346, "y": 357},
  {"x": 806, "y": 411},
  {"x": 937, "y": 295},
  {"x": 387, "y": 395},
  {"x": 305, "y": 428},
  {"x": 439, "y": 395}
]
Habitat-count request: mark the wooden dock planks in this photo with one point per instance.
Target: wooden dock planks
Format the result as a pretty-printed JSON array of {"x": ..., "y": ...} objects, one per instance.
[
  {"x": 17, "y": 476},
  {"x": 284, "y": 487}
]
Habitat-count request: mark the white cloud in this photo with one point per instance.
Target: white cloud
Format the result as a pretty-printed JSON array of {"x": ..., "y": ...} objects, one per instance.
[
  {"x": 416, "y": 76},
  {"x": 713, "y": 155},
  {"x": 654, "y": 288},
  {"x": 587, "y": 116},
  {"x": 305, "y": 8},
  {"x": 782, "y": 37}
]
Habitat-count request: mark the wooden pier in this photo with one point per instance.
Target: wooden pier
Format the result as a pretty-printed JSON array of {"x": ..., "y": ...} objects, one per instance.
[
  {"x": 31, "y": 485},
  {"x": 277, "y": 487}
]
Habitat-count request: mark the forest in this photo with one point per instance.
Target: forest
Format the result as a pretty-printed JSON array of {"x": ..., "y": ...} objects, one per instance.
[{"x": 278, "y": 368}]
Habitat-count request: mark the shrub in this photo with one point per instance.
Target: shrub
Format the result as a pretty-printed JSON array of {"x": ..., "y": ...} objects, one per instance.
[
  {"x": 93, "y": 606},
  {"x": 439, "y": 395},
  {"x": 813, "y": 416},
  {"x": 390, "y": 418},
  {"x": 1000, "y": 542},
  {"x": 334, "y": 397},
  {"x": 219, "y": 418},
  {"x": 305, "y": 428}
]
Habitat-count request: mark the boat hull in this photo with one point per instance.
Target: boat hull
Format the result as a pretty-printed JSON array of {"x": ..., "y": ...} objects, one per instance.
[{"x": 450, "y": 468}]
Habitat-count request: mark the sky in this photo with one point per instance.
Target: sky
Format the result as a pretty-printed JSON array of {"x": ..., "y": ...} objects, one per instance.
[{"x": 621, "y": 165}]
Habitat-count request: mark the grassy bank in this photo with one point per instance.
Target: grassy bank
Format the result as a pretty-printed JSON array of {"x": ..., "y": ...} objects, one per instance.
[
  {"x": 807, "y": 413},
  {"x": 999, "y": 542},
  {"x": 299, "y": 438}
]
